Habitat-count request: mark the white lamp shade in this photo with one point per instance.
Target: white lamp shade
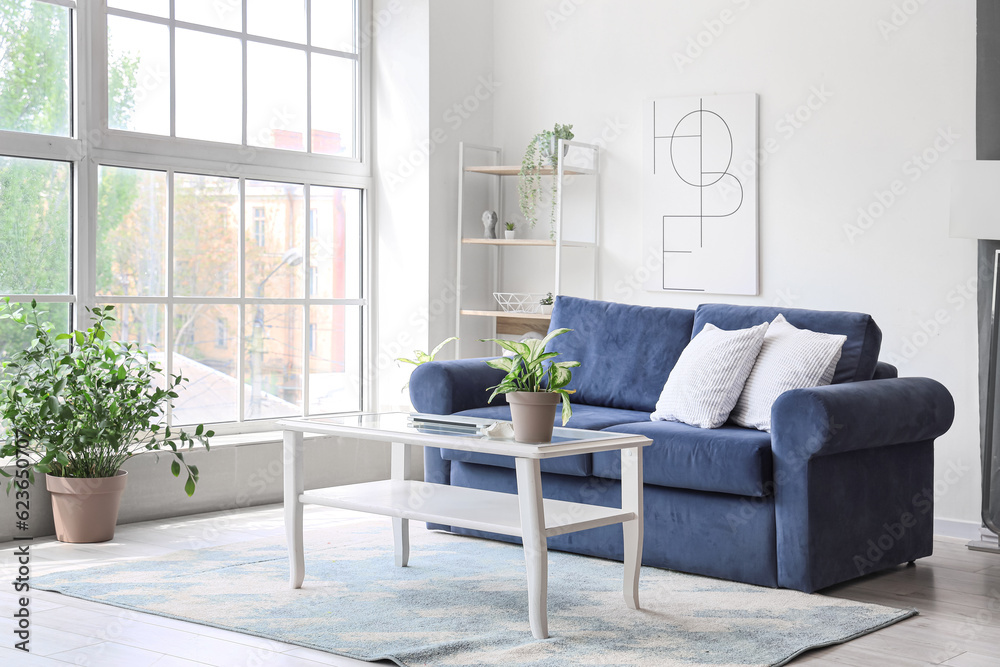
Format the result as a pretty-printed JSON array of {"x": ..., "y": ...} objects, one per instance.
[{"x": 975, "y": 199}]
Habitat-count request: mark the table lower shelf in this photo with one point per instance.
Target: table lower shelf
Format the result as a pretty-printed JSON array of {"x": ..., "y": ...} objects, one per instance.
[{"x": 474, "y": 509}]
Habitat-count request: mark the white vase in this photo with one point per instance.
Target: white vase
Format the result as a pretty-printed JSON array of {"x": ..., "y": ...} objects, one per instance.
[{"x": 510, "y": 234}]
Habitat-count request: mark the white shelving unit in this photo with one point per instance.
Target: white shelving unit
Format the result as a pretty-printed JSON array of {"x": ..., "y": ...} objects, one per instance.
[{"x": 580, "y": 233}]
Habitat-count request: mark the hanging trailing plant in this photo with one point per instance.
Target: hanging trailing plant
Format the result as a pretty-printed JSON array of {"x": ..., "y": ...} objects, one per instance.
[{"x": 541, "y": 153}]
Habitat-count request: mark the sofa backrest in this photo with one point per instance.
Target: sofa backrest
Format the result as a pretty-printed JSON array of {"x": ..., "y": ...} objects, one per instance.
[
  {"x": 858, "y": 357},
  {"x": 626, "y": 352}
]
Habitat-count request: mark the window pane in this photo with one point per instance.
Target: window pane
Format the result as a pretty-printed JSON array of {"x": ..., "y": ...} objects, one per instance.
[
  {"x": 154, "y": 7},
  {"x": 34, "y": 67},
  {"x": 333, "y": 24},
  {"x": 335, "y": 242},
  {"x": 13, "y": 337},
  {"x": 131, "y": 232},
  {"x": 275, "y": 220},
  {"x": 333, "y": 105},
  {"x": 209, "y": 87},
  {"x": 334, "y": 359},
  {"x": 35, "y": 222},
  {"x": 273, "y": 362},
  {"x": 206, "y": 235},
  {"x": 144, "y": 324},
  {"x": 276, "y": 97},
  {"x": 226, "y": 14},
  {"x": 212, "y": 391},
  {"x": 138, "y": 76},
  {"x": 277, "y": 19}
]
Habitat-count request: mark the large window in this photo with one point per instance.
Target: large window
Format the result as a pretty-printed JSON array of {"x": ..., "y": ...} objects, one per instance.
[
  {"x": 205, "y": 173},
  {"x": 182, "y": 66}
]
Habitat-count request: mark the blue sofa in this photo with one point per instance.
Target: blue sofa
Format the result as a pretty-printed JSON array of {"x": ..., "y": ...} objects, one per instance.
[{"x": 841, "y": 487}]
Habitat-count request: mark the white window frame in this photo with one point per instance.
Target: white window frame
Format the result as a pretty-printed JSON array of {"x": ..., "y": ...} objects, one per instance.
[{"x": 92, "y": 145}]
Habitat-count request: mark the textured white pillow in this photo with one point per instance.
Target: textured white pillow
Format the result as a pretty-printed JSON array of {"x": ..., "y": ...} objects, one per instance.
[
  {"x": 707, "y": 380},
  {"x": 790, "y": 358}
]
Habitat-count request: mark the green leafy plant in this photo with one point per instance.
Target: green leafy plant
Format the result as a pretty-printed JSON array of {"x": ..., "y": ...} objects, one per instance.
[
  {"x": 542, "y": 151},
  {"x": 546, "y": 300},
  {"x": 509, "y": 225},
  {"x": 80, "y": 404},
  {"x": 527, "y": 371},
  {"x": 421, "y": 357}
]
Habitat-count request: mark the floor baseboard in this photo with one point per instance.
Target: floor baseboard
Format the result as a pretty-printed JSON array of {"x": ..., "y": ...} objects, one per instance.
[{"x": 954, "y": 528}]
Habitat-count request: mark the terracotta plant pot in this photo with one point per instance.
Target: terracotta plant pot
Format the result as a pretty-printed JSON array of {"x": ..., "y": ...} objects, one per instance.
[
  {"x": 85, "y": 509},
  {"x": 533, "y": 414}
]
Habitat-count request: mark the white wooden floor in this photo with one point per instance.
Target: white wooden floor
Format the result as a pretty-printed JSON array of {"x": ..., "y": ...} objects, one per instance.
[{"x": 956, "y": 591}]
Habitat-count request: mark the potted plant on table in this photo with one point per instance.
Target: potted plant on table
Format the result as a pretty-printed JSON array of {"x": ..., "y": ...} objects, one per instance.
[
  {"x": 76, "y": 406},
  {"x": 533, "y": 387},
  {"x": 509, "y": 230},
  {"x": 541, "y": 153}
]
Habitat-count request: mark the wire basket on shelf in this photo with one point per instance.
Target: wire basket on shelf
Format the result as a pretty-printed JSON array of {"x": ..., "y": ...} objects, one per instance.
[{"x": 527, "y": 303}]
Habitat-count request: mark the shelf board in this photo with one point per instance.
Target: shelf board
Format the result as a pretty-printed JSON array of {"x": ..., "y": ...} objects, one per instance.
[
  {"x": 515, "y": 170},
  {"x": 521, "y": 242},
  {"x": 545, "y": 243},
  {"x": 476, "y": 509},
  {"x": 502, "y": 314}
]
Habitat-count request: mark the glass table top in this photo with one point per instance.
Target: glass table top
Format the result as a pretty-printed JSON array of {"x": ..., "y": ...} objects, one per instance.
[{"x": 448, "y": 425}]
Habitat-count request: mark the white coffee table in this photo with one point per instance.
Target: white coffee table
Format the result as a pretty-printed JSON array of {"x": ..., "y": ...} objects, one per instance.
[{"x": 526, "y": 515}]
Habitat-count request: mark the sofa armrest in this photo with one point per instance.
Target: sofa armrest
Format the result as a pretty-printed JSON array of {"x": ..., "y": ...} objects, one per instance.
[
  {"x": 806, "y": 423},
  {"x": 884, "y": 371},
  {"x": 854, "y": 477},
  {"x": 447, "y": 387}
]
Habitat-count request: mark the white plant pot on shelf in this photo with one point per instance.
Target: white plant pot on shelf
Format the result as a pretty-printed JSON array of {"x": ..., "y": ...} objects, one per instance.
[{"x": 510, "y": 234}]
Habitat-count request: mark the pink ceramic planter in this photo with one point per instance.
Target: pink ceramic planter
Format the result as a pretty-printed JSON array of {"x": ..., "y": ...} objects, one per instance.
[
  {"x": 85, "y": 509},
  {"x": 533, "y": 414}
]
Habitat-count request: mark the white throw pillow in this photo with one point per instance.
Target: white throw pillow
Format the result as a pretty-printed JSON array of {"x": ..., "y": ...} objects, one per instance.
[
  {"x": 707, "y": 380},
  {"x": 790, "y": 358}
]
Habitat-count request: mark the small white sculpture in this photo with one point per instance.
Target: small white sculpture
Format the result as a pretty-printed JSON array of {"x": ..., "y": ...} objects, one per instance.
[
  {"x": 500, "y": 430},
  {"x": 489, "y": 224}
]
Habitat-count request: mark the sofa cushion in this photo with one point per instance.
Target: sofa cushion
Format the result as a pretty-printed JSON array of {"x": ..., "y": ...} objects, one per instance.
[
  {"x": 626, "y": 352},
  {"x": 725, "y": 460},
  {"x": 790, "y": 358},
  {"x": 584, "y": 416},
  {"x": 860, "y": 352},
  {"x": 707, "y": 381}
]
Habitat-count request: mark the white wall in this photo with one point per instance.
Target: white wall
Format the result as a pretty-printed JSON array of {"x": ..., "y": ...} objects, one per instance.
[
  {"x": 400, "y": 103},
  {"x": 461, "y": 109},
  {"x": 433, "y": 63},
  {"x": 891, "y": 85}
]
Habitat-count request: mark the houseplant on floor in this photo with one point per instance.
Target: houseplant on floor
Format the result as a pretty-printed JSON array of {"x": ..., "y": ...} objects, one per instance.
[
  {"x": 420, "y": 357},
  {"x": 533, "y": 388},
  {"x": 541, "y": 152},
  {"x": 77, "y": 406}
]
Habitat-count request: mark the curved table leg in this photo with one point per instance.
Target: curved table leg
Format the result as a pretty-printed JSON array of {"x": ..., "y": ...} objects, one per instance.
[
  {"x": 400, "y": 469},
  {"x": 536, "y": 554},
  {"x": 632, "y": 500},
  {"x": 294, "y": 486}
]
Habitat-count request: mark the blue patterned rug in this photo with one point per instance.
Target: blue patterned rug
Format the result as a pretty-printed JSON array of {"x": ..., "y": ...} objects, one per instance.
[{"x": 462, "y": 601}]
